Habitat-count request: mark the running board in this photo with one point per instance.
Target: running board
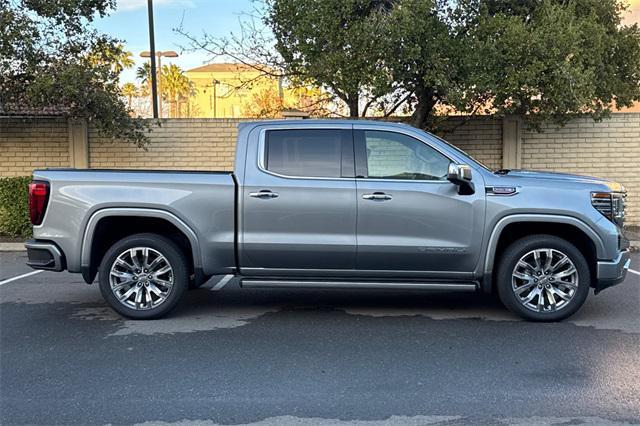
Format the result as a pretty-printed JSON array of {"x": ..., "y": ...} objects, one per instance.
[{"x": 369, "y": 285}]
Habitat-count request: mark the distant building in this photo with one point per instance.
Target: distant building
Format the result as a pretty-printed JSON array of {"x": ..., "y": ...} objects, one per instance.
[{"x": 236, "y": 90}]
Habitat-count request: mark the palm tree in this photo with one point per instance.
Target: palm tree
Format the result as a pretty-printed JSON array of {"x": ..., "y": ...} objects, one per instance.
[
  {"x": 143, "y": 73},
  {"x": 130, "y": 91},
  {"x": 175, "y": 85},
  {"x": 113, "y": 56}
]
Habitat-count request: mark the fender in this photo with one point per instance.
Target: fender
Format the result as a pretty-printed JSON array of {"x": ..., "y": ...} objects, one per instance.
[
  {"x": 507, "y": 220},
  {"x": 87, "y": 240}
]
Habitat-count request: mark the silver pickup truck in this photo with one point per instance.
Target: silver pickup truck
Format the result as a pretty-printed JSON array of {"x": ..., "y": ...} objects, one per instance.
[{"x": 334, "y": 204}]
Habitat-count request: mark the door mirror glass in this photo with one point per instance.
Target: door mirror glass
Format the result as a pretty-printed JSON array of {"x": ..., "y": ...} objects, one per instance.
[{"x": 460, "y": 174}]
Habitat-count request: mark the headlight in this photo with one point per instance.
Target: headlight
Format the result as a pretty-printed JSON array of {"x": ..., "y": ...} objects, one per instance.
[{"x": 610, "y": 204}]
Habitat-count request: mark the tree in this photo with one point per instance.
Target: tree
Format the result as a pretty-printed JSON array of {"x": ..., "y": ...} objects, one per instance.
[
  {"x": 555, "y": 58},
  {"x": 130, "y": 91},
  {"x": 51, "y": 57},
  {"x": 175, "y": 85},
  {"x": 543, "y": 59},
  {"x": 333, "y": 44},
  {"x": 428, "y": 59},
  {"x": 143, "y": 73}
]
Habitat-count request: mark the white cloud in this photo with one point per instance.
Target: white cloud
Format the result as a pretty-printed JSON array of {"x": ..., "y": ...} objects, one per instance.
[{"x": 129, "y": 5}]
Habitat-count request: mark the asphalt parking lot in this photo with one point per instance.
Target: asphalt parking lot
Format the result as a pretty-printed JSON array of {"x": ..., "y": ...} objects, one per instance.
[{"x": 311, "y": 357}]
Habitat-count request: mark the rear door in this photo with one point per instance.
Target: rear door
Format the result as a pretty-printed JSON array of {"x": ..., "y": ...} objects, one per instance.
[
  {"x": 411, "y": 219},
  {"x": 299, "y": 202}
]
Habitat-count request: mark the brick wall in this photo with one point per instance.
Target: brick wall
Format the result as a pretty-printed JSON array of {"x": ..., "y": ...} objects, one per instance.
[
  {"x": 609, "y": 149},
  {"x": 27, "y": 144},
  {"x": 178, "y": 144},
  {"x": 480, "y": 137}
]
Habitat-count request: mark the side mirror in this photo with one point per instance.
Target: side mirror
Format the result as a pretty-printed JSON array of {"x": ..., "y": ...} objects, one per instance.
[{"x": 460, "y": 174}]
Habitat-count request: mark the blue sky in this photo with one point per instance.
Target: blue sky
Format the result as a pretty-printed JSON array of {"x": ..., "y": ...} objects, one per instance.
[{"x": 129, "y": 23}]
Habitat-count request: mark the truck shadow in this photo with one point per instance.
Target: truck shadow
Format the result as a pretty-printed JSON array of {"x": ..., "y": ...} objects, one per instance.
[{"x": 376, "y": 303}]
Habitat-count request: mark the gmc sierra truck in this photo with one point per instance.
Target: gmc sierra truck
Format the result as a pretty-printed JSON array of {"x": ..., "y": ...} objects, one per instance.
[{"x": 334, "y": 204}]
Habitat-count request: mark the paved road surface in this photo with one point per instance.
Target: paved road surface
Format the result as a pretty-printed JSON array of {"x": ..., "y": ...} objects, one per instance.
[{"x": 311, "y": 358}]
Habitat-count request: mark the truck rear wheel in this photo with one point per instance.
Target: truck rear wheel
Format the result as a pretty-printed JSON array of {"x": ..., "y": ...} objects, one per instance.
[
  {"x": 543, "y": 278},
  {"x": 143, "y": 276}
]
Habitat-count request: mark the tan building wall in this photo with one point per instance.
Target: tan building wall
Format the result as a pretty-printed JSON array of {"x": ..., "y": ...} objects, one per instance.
[
  {"x": 610, "y": 148},
  {"x": 27, "y": 144}
]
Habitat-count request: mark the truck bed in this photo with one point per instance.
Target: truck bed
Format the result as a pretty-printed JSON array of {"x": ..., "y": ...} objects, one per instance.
[{"x": 202, "y": 201}]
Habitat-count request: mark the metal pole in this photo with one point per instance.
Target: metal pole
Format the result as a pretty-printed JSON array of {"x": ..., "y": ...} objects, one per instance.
[
  {"x": 152, "y": 46},
  {"x": 160, "y": 84},
  {"x": 215, "y": 98}
]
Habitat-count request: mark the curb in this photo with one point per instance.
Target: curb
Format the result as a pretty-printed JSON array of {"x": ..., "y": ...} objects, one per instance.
[{"x": 12, "y": 247}]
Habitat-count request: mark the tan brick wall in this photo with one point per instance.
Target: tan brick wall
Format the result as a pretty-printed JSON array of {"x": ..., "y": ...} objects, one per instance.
[
  {"x": 209, "y": 144},
  {"x": 480, "y": 137},
  {"x": 178, "y": 144},
  {"x": 27, "y": 144},
  {"x": 609, "y": 149}
]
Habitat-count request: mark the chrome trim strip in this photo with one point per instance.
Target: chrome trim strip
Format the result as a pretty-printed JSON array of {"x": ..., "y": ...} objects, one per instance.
[
  {"x": 253, "y": 283},
  {"x": 261, "y": 152},
  {"x": 262, "y": 142},
  {"x": 340, "y": 274}
]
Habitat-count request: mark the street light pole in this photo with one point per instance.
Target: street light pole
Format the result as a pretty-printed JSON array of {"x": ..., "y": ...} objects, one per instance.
[
  {"x": 215, "y": 97},
  {"x": 152, "y": 56},
  {"x": 156, "y": 77}
]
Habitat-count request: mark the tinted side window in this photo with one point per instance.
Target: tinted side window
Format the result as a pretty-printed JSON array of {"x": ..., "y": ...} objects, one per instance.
[
  {"x": 392, "y": 155},
  {"x": 307, "y": 152}
]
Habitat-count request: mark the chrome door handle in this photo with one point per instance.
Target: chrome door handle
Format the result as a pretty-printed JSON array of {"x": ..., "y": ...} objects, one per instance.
[
  {"x": 265, "y": 193},
  {"x": 377, "y": 196}
]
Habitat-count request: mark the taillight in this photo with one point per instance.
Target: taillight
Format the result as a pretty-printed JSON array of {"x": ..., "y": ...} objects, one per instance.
[{"x": 38, "y": 197}]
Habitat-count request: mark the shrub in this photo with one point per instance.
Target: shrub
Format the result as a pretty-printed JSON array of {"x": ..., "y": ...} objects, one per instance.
[{"x": 14, "y": 207}]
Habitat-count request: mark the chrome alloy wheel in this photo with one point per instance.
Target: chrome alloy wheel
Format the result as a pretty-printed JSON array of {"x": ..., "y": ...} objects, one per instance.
[
  {"x": 141, "y": 278},
  {"x": 544, "y": 280}
]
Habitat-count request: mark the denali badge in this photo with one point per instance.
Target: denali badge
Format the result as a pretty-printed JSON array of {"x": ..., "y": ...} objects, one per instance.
[{"x": 501, "y": 190}]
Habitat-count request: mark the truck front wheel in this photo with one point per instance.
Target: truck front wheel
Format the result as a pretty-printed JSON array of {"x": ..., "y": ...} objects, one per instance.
[
  {"x": 543, "y": 278},
  {"x": 143, "y": 276}
]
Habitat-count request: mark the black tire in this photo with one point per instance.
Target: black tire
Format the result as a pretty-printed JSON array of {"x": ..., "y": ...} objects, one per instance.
[
  {"x": 512, "y": 255},
  {"x": 173, "y": 255}
]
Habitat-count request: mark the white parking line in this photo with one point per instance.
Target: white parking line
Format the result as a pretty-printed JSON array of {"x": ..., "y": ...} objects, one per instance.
[
  {"x": 28, "y": 274},
  {"x": 634, "y": 272}
]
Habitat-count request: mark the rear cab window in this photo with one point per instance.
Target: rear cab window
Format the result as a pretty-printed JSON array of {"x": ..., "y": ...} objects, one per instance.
[{"x": 324, "y": 153}]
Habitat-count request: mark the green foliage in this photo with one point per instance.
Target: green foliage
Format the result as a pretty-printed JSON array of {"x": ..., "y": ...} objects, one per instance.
[
  {"x": 51, "y": 57},
  {"x": 332, "y": 44},
  {"x": 14, "y": 208},
  {"x": 559, "y": 58},
  {"x": 543, "y": 59}
]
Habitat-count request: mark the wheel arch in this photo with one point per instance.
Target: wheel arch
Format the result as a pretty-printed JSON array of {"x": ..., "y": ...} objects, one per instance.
[
  {"x": 121, "y": 222},
  {"x": 511, "y": 228}
]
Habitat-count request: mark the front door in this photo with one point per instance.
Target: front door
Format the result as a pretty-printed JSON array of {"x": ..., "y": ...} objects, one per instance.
[
  {"x": 410, "y": 217},
  {"x": 299, "y": 204}
]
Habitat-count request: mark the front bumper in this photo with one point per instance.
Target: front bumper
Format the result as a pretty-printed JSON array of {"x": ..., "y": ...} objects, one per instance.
[
  {"x": 44, "y": 255},
  {"x": 612, "y": 272}
]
